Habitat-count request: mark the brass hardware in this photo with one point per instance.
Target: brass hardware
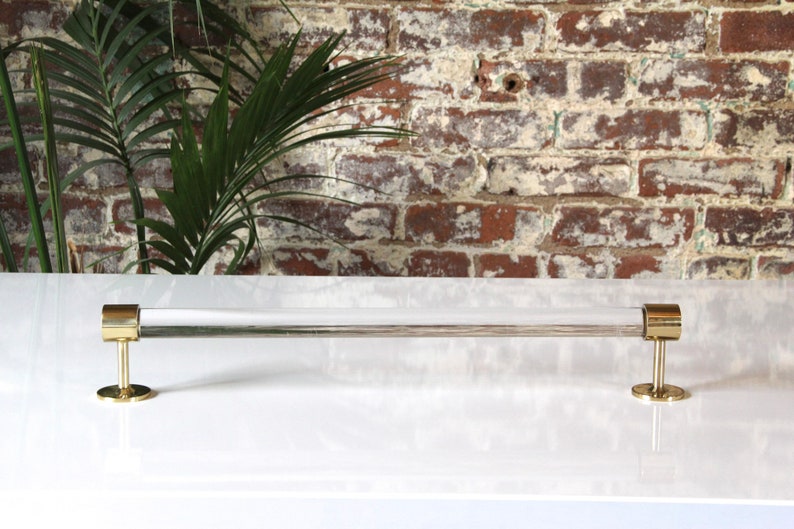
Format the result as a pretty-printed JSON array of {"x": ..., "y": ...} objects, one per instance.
[
  {"x": 662, "y": 322},
  {"x": 121, "y": 324}
]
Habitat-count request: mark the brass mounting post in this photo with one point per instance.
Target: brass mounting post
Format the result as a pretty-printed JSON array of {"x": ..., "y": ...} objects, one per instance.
[
  {"x": 121, "y": 324},
  {"x": 662, "y": 322}
]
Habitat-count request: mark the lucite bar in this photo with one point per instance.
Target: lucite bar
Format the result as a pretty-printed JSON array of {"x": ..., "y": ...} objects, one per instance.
[{"x": 391, "y": 322}]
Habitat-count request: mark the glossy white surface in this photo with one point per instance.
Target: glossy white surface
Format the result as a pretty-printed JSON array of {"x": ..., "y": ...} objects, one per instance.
[{"x": 400, "y": 432}]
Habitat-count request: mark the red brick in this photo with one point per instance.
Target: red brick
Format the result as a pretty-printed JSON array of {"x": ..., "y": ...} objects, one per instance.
[
  {"x": 640, "y": 265},
  {"x": 634, "y": 130},
  {"x": 655, "y": 31},
  {"x": 444, "y": 128},
  {"x": 500, "y": 265},
  {"x": 623, "y": 227},
  {"x": 337, "y": 220},
  {"x": 775, "y": 268},
  {"x": 429, "y": 29},
  {"x": 430, "y": 263},
  {"x": 748, "y": 177},
  {"x": 719, "y": 267},
  {"x": 463, "y": 223},
  {"x": 556, "y": 176},
  {"x": 718, "y": 80},
  {"x": 749, "y": 31},
  {"x": 302, "y": 261},
  {"x": 505, "y": 81},
  {"x": 405, "y": 174},
  {"x": 603, "y": 80},
  {"x": 761, "y": 129},
  {"x": 746, "y": 227}
]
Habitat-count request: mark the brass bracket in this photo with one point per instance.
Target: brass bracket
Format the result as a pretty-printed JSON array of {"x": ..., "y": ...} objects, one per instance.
[
  {"x": 661, "y": 322},
  {"x": 121, "y": 324}
]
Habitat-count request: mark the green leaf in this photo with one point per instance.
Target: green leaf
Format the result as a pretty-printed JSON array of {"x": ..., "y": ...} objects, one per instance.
[
  {"x": 51, "y": 155},
  {"x": 37, "y": 224}
]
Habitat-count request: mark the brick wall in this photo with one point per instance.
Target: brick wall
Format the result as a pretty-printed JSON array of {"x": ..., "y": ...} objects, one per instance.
[{"x": 556, "y": 139}]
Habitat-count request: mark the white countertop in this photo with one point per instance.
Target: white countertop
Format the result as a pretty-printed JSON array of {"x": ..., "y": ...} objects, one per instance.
[{"x": 395, "y": 432}]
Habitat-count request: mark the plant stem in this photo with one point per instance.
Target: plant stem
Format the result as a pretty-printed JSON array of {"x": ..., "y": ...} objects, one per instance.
[
  {"x": 51, "y": 157},
  {"x": 37, "y": 224}
]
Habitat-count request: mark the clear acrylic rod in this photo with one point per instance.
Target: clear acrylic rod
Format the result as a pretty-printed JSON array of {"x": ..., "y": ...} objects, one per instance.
[{"x": 390, "y": 322}]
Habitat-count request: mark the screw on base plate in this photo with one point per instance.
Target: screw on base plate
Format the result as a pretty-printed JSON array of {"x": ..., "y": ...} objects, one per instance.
[
  {"x": 132, "y": 393},
  {"x": 667, "y": 393}
]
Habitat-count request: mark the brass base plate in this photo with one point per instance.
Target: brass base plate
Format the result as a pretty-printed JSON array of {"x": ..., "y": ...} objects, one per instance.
[
  {"x": 134, "y": 393},
  {"x": 668, "y": 393}
]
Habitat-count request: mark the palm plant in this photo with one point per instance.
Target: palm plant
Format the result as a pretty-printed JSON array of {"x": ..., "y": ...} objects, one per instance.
[
  {"x": 114, "y": 89},
  {"x": 217, "y": 185}
]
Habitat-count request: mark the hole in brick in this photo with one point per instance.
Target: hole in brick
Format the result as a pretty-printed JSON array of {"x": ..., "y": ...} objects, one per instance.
[{"x": 513, "y": 83}]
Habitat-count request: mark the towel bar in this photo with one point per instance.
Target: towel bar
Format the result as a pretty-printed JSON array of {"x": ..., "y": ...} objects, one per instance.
[{"x": 123, "y": 324}]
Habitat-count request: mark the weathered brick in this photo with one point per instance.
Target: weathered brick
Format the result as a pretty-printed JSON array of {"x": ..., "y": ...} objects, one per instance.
[
  {"x": 122, "y": 213},
  {"x": 366, "y": 28},
  {"x": 748, "y": 227},
  {"x": 14, "y": 211},
  {"x": 718, "y": 80},
  {"x": 775, "y": 268},
  {"x": 445, "y": 128},
  {"x": 749, "y": 31},
  {"x": 653, "y": 31},
  {"x": 577, "y": 266},
  {"x": 384, "y": 116},
  {"x": 554, "y": 176},
  {"x": 463, "y": 223},
  {"x": 638, "y": 266},
  {"x": 418, "y": 78},
  {"x": 338, "y": 220},
  {"x": 622, "y": 227},
  {"x": 605, "y": 80},
  {"x": 532, "y": 226},
  {"x": 760, "y": 129},
  {"x": 24, "y": 19},
  {"x": 302, "y": 261},
  {"x": 368, "y": 263},
  {"x": 82, "y": 215},
  {"x": 430, "y": 263},
  {"x": 747, "y": 177},
  {"x": 719, "y": 267},
  {"x": 501, "y": 81},
  {"x": 501, "y": 265},
  {"x": 429, "y": 29},
  {"x": 631, "y": 129},
  {"x": 404, "y": 174}
]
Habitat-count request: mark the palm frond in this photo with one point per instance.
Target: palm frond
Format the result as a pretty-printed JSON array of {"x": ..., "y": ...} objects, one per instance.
[
  {"x": 51, "y": 159},
  {"x": 215, "y": 184},
  {"x": 20, "y": 145}
]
